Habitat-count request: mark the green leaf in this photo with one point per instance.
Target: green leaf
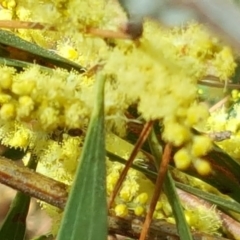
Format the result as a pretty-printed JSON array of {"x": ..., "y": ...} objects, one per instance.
[
  {"x": 14, "y": 47},
  {"x": 225, "y": 175},
  {"x": 170, "y": 190},
  {"x": 14, "y": 225},
  {"x": 85, "y": 215},
  {"x": 155, "y": 147},
  {"x": 215, "y": 199},
  {"x": 19, "y": 65}
]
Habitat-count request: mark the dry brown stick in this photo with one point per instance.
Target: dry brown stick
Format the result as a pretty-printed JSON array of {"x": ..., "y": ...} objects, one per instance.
[
  {"x": 213, "y": 81},
  {"x": 27, "y": 181},
  {"x": 55, "y": 193},
  {"x": 103, "y": 33},
  {"x": 142, "y": 138},
  {"x": 158, "y": 187},
  {"x": 108, "y": 33},
  {"x": 219, "y": 104},
  {"x": 221, "y": 16},
  {"x": 159, "y": 229},
  {"x": 10, "y": 24}
]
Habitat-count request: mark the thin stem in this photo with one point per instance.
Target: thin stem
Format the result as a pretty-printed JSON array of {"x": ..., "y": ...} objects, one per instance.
[
  {"x": 159, "y": 229},
  {"x": 108, "y": 33},
  {"x": 213, "y": 81},
  {"x": 219, "y": 104},
  {"x": 27, "y": 181},
  {"x": 103, "y": 33},
  {"x": 55, "y": 193},
  {"x": 159, "y": 183},
  {"x": 9, "y": 24},
  {"x": 142, "y": 138}
]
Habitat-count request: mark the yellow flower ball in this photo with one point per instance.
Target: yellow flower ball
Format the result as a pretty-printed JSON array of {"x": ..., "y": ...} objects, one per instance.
[
  {"x": 196, "y": 114},
  {"x": 26, "y": 105},
  {"x": 182, "y": 159},
  {"x": 121, "y": 210},
  {"x": 4, "y": 98},
  {"x": 20, "y": 140},
  {"x": 23, "y": 87},
  {"x": 9, "y": 4},
  {"x": 125, "y": 195},
  {"x": 68, "y": 52},
  {"x": 6, "y": 80},
  {"x": 142, "y": 198},
  {"x": 176, "y": 133},
  {"x": 202, "y": 166},
  {"x": 139, "y": 210},
  {"x": 201, "y": 145},
  {"x": 7, "y": 111}
]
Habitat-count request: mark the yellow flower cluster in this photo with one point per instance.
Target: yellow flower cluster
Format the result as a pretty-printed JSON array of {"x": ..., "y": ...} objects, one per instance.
[
  {"x": 160, "y": 89},
  {"x": 53, "y": 100},
  {"x": 158, "y": 73},
  {"x": 222, "y": 120},
  {"x": 192, "y": 153},
  {"x": 136, "y": 194},
  {"x": 16, "y": 135},
  {"x": 199, "y": 46},
  {"x": 60, "y": 160},
  {"x": 204, "y": 220}
]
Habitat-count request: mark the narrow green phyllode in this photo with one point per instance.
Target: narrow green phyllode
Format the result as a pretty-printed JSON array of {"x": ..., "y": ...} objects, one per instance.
[
  {"x": 14, "y": 225},
  {"x": 85, "y": 215},
  {"x": 182, "y": 226},
  {"x": 170, "y": 191}
]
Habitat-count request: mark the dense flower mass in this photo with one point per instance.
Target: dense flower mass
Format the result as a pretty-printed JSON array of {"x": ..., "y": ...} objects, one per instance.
[{"x": 158, "y": 73}]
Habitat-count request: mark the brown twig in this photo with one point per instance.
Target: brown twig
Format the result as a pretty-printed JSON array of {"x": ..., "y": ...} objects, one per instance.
[
  {"x": 213, "y": 81},
  {"x": 103, "y": 33},
  {"x": 219, "y": 104},
  {"x": 27, "y": 181},
  {"x": 108, "y": 33},
  {"x": 54, "y": 193},
  {"x": 142, "y": 138},
  {"x": 15, "y": 24},
  {"x": 159, "y": 229},
  {"x": 160, "y": 179}
]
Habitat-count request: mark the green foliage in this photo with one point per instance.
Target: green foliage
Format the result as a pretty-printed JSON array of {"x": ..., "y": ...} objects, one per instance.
[
  {"x": 159, "y": 74},
  {"x": 170, "y": 190},
  {"x": 213, "y": 198},
  {"x": 12, "y": 46},
  {"x": 85, "y": 215},
  {"x": 14, "y": 225},
  {"x": 182, "y": 226}
]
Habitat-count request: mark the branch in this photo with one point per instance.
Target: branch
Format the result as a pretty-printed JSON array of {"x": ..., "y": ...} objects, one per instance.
[
  {"x": 55, "y": 193},
  {"x": 37, "y": 185}
]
